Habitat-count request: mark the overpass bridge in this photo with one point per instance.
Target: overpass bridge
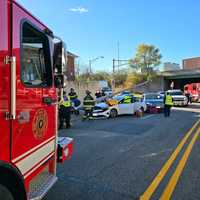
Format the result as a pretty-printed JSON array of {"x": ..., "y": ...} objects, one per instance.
[{"x": 179, "y": 77}]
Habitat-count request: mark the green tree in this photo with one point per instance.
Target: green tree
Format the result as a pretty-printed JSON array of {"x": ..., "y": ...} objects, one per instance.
[{"x": 147, "y": 58}]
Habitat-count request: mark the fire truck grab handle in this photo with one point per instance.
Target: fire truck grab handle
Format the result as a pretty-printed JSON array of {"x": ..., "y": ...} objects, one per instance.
[{"x": 13, "y": 87}]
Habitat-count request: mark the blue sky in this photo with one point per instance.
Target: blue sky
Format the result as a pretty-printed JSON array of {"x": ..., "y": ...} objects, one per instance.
[{"x": 92, "y": 28}]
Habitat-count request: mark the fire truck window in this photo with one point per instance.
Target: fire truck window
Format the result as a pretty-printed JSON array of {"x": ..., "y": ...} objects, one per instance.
[{"x": 35, "y": 57}]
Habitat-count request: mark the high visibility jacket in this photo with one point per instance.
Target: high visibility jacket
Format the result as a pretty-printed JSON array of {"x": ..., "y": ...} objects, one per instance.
[
  {"x": 65, "y": 102},
  {"x": 168, "y": 100},
  {"x": 127, "y": 99},
  {"x": 88, "y": 102},
  {"x": 73, "y": 95}
]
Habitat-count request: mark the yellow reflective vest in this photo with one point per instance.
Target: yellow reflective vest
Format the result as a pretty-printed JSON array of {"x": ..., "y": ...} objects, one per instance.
[
  {"x": 127, "y": 99},
  {"x": 168, "y": 100},
  {"x": 65, "y": 103}
]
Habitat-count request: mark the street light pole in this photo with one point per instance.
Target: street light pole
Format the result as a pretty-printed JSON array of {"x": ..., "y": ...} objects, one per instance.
[
  {"x": 93, "y": 60},
  {"x": 90, "y": 66}
]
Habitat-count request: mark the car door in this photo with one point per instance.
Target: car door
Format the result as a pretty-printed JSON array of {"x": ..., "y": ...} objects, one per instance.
[
  {"x": 125, "y": 108},
  {"x": 137, "y": 104}
]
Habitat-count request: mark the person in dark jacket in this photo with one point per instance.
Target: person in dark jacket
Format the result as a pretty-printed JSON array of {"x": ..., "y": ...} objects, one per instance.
[
  {"x": 65, "y": 111},
  {"x": 98, "y": 94},
  {"x": 72, "y": 95},
  {"x": 168, "y": 103},
  {"x": 88, "y": 105}
]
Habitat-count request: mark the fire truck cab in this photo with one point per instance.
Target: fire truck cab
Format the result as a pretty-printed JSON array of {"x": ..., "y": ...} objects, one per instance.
[{"x": 29, "y": 146}]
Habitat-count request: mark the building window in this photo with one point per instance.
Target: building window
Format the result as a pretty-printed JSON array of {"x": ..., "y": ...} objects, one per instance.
[{"x": 35, "y": 58}]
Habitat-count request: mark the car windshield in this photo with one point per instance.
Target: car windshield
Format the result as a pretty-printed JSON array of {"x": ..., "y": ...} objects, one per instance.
[
  {"x": 118, "y": 98},
  {"x": 153, "y": 96},
  {"x": 106, "y": 89},
  {"x": 176, "y": 93}
]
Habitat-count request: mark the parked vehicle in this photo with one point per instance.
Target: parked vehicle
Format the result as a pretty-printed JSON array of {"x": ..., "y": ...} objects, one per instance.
[
  {"x": 161, "y": 93},
  {"x": 193, "y": 90},
  {"x": 116, "y": 106},
  {"x": 30, "y": 75},
  {"x": 154, "y": 101},
  {"x": 107, "y": 91},
  {"x": 179, "y": 99}
]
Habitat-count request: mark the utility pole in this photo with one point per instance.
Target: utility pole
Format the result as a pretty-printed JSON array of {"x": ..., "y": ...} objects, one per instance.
[
  {"x": 118, "y": 54},
  {"x": 126, "y": 62},
  {"x": 113, "y": 79}
]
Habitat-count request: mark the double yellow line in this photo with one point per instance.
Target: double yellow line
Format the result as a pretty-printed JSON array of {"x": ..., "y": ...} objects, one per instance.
[{"x": 166, "y": 195}]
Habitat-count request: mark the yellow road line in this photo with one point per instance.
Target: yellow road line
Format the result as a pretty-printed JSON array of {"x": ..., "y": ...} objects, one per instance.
[
  {"x": 155, "y": 183},
  {"x": 179, "y": 169}
]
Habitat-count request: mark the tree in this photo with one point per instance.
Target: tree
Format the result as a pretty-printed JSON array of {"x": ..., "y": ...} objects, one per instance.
[
  {"x": 134, "y": 78},
  {"x": 147, "y": 58}
]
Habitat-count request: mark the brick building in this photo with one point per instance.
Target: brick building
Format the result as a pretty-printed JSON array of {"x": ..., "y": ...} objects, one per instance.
[
  {"x": 191, "y": 63},
  {"x": 71, "y": 64}
]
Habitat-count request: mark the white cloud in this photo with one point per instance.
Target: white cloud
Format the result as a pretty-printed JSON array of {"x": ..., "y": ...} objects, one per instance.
[{"x": 80, "y": 10}]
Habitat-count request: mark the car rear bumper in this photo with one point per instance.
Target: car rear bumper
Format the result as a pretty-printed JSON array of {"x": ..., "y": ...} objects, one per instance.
[{"x": 155, "y": 109}]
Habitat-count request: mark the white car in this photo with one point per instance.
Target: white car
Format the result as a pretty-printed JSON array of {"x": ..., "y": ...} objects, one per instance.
[
  {"x": 179, "y": 99},
  {"x": 120, "y": 108}
]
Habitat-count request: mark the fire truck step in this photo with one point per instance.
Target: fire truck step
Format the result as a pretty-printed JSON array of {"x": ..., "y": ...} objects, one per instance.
[{"x": 41, "y": 185}]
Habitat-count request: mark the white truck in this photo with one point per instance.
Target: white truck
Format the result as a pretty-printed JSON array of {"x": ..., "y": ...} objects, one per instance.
[{"x": 179, "y": 99}]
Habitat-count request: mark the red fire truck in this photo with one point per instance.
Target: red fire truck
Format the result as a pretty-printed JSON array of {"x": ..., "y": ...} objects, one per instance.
[
  {"x": 31, "y": 62},
  {"x": 194, "y": 90}
]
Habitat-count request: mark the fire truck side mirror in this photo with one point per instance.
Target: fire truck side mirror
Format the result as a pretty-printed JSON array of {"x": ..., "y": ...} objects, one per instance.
[{"x": 59, "y": 81}]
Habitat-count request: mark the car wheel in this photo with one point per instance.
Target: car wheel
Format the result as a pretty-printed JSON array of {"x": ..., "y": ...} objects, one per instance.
[
  {"x": 113, "y": 113},
  {"x": 5, "y": 194}
]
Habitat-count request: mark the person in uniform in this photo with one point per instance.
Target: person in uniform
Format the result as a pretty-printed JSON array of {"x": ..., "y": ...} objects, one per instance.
[
  {"x": 127, "y": 99},
  {"x": 168, "y": 103},
  {"x": 65, "y": 111},
  {"x": 72, "y": 95},
  {"x": 88, "y": 105}
]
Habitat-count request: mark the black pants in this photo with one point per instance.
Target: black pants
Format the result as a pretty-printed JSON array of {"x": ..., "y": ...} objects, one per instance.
[
  {"x": 65, "y": 116},
  {"x": 88, "y": 113},
  {"x": 167, "y": 110}
]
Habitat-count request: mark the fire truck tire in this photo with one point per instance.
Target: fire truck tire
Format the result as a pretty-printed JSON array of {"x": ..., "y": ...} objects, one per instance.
[{"x": 5, "y": 194}]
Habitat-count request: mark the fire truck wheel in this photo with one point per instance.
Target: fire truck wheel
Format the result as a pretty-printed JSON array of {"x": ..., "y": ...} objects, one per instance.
[{"x": 5, "y": 194}]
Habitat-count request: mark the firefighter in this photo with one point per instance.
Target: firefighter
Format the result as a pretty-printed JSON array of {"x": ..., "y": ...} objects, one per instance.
[
  {"x": 65, "y": 111},
  {"x": 168, "y": 103},
  {"x": 72, "y": 95},
  {"x": 127, "y": 99},
  {"x": 88, "y": 104},
  {"x": 98, "y": 94}
]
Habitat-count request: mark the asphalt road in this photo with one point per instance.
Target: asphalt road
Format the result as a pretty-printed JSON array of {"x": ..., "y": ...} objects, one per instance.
[{"x": 117, "y": 159}]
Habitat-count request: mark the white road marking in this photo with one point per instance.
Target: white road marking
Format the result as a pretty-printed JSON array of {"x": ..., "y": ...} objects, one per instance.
[
  {"x": 148, "y": 116},
  {"x": 155, "y": 154}
]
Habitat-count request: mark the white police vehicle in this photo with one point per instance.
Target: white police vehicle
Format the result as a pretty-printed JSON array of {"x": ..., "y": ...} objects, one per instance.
[{"x": 119, "y": 107}]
